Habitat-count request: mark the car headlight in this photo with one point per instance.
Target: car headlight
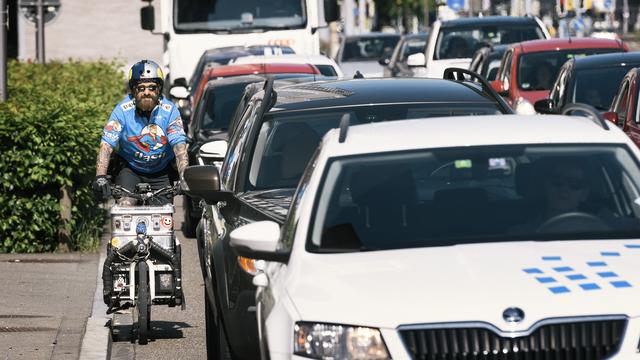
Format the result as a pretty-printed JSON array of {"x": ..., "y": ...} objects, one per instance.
[
  {"x": 332, "y": 341},
  {"x": 524, "y": 107}
]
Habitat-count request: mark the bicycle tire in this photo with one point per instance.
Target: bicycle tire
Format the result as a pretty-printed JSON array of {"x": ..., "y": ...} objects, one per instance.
[{"x": 143, "y": 304}]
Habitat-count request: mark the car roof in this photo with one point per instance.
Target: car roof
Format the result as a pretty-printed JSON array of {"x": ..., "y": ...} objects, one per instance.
[
  {"x": 489, "y": 20},
  {"x": 373, "y": 34},
  {"x": 260, "y": 68},
  {"x": 234, "y": 51},
  {"x": 377, "y": 91},
  {"x": 463, "y": 131},
  {"x": 288, "y": 58},
  {"x": 567, "y": 43},
  {"x": 606, "y": 60}
]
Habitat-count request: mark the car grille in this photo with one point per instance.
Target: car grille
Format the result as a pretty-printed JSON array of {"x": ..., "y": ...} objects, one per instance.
[{"x": 593, "y": 339}]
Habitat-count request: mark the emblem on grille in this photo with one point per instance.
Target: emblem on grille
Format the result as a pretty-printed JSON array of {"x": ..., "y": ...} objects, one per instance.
[{"x": 513, "y": 315}]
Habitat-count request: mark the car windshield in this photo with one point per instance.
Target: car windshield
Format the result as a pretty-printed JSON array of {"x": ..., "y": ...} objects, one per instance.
[
  {"x": 368, "y": 48},
  {"x": 287, "y": 140},
  {"x": 608, "y": 80},
  {"x": 239, "y": 15},
  {"x": 457, "y": 196},
  {"x": 462, "y": 42},
  {"x": 538, "y": 71}
]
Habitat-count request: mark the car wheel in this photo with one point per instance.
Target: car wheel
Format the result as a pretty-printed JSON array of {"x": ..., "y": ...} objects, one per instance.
[{"x": 217, "y": 348}]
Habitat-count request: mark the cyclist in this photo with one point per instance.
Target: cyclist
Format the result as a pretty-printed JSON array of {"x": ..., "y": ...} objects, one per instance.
[{"x": 146, "y": 131}]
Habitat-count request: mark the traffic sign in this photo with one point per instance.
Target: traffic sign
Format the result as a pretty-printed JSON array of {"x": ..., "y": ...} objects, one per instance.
[
  {"x": 455, "y": 5},
  {"x": 29, "y": 9}
]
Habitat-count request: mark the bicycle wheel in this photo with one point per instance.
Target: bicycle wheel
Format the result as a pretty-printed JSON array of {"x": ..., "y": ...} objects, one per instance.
[{"x": 144, "y": 303}]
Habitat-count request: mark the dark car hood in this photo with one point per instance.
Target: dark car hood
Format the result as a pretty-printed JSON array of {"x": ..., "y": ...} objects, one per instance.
[{"x": 274, "y": 203}]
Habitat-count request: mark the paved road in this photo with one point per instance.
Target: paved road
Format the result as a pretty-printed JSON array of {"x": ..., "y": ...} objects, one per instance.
[{"x": 175, "y": 334}]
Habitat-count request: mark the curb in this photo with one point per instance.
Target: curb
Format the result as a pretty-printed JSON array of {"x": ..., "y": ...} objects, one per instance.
[{"x": 96, "y": 341}]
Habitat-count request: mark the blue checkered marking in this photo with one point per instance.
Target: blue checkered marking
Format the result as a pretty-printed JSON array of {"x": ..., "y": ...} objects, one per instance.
[
  {"x": 545, "y": 279},
  {"x": 621, "y": 284},
  {"x": 563, "y": 268},
  {"x": 532, "y": 271},
  {"x": 609, "y": 253},
  {"x": 632, "y": 246},
  {"x": 576, "y": 277},
  {"x": 590, "y": 286},
  {"x": 596, "y": 263},
  {"x": 607, "y": 274},
  {"x": 559, "y": 289},
  {"x": 552, "y": 258}
]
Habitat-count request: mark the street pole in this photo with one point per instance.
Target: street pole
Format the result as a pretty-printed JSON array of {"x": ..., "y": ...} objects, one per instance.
[
  {"x": 3, "y": 50},
  {"x": 40, "y": 32}
]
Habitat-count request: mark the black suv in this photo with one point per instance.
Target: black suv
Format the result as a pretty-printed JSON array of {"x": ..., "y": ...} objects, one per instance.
[{"x": 271, "y": 141}]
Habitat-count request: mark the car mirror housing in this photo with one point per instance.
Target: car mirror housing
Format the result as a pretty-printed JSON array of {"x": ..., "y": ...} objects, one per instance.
[
  {"x": 498, "y": 87},
  {"x": 204, "y": 183},
  {"x": 543, "y": 106},
  {"x": 384, "y": 61},
  {"x": 258, "y": 240},
  {"x": 416, "y": 60}
]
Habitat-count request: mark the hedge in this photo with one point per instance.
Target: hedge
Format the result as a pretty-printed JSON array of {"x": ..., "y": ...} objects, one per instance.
[{"x": 49, "y": 134}]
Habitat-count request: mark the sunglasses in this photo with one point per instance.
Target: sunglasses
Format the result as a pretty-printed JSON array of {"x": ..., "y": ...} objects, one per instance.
[{"x": 142, "y": 88}]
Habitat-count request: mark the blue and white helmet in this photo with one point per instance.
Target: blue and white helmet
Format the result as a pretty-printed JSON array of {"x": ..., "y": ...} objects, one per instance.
[{"x": 145, "y": 70}]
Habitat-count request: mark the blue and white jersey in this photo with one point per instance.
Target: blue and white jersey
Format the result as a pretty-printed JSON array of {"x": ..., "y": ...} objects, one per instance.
[{"x": 146, "y": 145}]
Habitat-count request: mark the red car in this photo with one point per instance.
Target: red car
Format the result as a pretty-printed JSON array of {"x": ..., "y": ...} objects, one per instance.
[
  {"x": 528, "y": 69},
  {"x": 624, "y": 107},
  {"x": 249, "y": 69}
]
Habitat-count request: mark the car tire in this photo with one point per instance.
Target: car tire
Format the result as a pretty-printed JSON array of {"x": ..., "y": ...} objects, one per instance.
[{"x": 217, "y": 347}]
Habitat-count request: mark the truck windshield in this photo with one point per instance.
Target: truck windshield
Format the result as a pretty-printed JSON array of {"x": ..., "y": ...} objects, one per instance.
[
  {"x": 457, "y": 196},
  {"x": 240, "y": 15}
]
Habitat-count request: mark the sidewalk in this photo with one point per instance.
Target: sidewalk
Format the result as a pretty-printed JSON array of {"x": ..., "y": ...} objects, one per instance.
[{"x": 46, "y": 300}]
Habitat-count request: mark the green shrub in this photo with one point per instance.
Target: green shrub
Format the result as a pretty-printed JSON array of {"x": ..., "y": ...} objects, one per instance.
[{"x": 50, "y": 129}]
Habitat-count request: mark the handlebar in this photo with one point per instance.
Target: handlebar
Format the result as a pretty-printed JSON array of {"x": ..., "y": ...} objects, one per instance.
[{"x": 118, "y": 192}]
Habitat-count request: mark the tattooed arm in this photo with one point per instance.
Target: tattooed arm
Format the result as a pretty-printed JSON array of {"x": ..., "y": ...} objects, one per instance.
[
  {"x": 102, "y": 163},
  {"x": 182, "y": 159}
]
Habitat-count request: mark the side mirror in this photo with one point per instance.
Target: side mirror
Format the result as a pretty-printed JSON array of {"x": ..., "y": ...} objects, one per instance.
[
  {"x": 612, "y": 117},
  {"x": 384, "y": 61},
  {"x": 180, "y": 82},
  {"x": 498, "y": 86},
  {"x": 331, "y": 11},
  {"x": 147, "y": 18},
  {"x": 179, "y": 92},
  {"x": 543, "y": 106},
  {"x": 258, "y": 240},
  {"x": 213, "y": 152},
  {"x": 204, "y": 183},
  {"x": 416, "y": 60}
]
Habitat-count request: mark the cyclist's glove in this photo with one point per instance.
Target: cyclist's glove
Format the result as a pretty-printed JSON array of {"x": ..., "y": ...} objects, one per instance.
[{"x": 102, "y": 187}]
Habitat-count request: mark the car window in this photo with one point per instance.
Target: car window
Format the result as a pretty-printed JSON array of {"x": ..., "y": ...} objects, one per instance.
[
  {"x": 412, "y": 46},
  {"x": 468, "y": 195},
  {"x": 368, "y": 48},
  {"x": 477, "y": 61},
  {"x": 286, "y": 141},
  {"x": 327, "y": 70},
  {"x": 620, "y": 104},
  {"x": 608, "y": 80},
  {"x": 220, "y": 103},
  {"x": 537, "y": 71},
  {"x": 506, "y": 67},
  {"x": 462, "y": 42},
  {"x": 236, "y": 146}
]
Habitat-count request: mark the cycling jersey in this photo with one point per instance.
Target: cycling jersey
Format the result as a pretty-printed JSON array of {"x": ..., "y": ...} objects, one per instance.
[{"x": 145, "y": 144}]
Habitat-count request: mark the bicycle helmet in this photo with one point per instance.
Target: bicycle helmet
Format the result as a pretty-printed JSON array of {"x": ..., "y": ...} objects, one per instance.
[{"x": 145, "y": 70}]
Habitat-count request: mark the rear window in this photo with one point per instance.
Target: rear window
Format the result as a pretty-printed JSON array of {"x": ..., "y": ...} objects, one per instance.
[
  {"x": 456, "y": 196},
  {"x": 369, "y": 48},
  {"x": 327, "y": 70},
  {"x": 462, "y": 42}
]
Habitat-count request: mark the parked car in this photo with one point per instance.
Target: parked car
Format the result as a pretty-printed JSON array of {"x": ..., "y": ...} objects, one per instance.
[
  {"x": 528, "y": 69},
  {"x": 213, "y": 114},
  {"x": 362, "y": 53},
  {"x": 327, "y": 67},
  {"x": 624, "y": 110},
  {"x": 452, "y": 43},
  {"x": 592, "y": 80},
  {"x": 292, "y": 70},
  {"x": 395, "y": 64},
  {"x": 272, "y": 140},
  {"x": 486, "y": 61},
  {"x": 475, "y": 240}
]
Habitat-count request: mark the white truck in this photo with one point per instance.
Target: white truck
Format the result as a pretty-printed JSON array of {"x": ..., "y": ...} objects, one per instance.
[{"x": 190, "y": 27}]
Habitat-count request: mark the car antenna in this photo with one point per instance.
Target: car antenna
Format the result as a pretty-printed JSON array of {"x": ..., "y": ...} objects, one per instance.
[{"x": 344, "y": 128}]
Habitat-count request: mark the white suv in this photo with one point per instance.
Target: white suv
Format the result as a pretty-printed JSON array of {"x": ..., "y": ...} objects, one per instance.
[
  {"x": 505, "y": 237},
  {"x": 452, "y": 43}
]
